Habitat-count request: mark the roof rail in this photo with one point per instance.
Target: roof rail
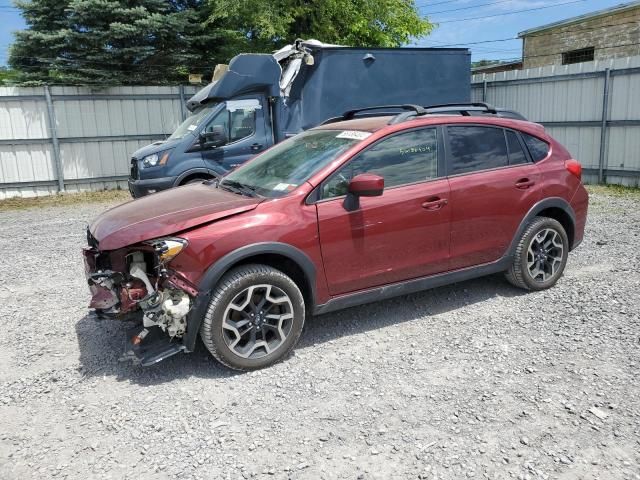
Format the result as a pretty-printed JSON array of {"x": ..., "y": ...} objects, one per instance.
[
  {"x": 411, "y": 110},
  {"x": 487, "y": 107}
]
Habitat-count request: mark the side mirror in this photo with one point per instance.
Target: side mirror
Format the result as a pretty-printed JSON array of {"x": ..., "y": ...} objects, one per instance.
[
  {"x": 363, "y": 185},
  {"x": 214, "y": 138}
]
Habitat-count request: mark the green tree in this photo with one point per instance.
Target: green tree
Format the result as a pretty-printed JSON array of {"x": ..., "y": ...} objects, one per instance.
[
  {"x": 34, "y": 49},
  {"x": 8, "y": 76},
  {"x": 269, "y": 24},
  {"x": 484, "y": 63},
  {"x": 107, "y": 42}
]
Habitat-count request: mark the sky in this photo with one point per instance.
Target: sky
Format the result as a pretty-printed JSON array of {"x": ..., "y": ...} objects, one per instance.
[
  {"x": 459, "y": 25},
  {"x": 458, "y": 22}
]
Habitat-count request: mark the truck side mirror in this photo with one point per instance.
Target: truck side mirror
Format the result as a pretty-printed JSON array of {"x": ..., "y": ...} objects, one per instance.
[
  {"x": 363, "y": 185},
  {"x": 216, "y": 137}
]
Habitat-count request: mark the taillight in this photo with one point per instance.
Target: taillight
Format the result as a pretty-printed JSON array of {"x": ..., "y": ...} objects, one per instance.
[{"x": 574, "y": 168}]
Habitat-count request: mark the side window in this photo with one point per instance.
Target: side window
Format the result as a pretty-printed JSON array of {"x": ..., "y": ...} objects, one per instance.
[
  {"x": 404, "y": 158},
  {"x": 476, "y": 148},
  {"x": 220, "y": 120},
  {"x": 516, "y": 153},
  {"x": 537, "y": 148},
  {"x": 238, "y": 123},
  {"x": 241, "y": 124}
]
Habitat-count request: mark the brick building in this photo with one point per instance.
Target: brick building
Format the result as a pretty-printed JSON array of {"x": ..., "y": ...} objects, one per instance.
[{"x": 610, "y": 33}]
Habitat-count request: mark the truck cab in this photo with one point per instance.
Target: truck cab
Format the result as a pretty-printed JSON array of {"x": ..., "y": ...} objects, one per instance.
[{"x": 216, "y": 138}]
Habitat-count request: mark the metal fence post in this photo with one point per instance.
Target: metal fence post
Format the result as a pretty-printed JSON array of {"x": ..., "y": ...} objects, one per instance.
[
  {"x": 183, "y": 113},
  {"x": 484, "y": 90},
  {"x": 604, "y": 126},
  {"x": 51, "y": 115}
]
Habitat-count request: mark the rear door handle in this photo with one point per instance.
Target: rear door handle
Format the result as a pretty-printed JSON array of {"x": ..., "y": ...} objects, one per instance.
[
  {"x": 256, "y": 147},
  {"x": 435, "y": 203},
  {"x": 524, "y": 183}
]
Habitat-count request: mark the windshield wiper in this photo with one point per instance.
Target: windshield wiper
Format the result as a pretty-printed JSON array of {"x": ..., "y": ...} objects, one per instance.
[{"x": 237, "y": 187}]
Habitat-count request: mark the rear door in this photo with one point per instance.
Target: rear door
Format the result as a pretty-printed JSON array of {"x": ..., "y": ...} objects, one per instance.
[
  {"x": 493, "y": 185},
  {"x": 247, "y": 130},
  {"x": 400, "y": 235}
]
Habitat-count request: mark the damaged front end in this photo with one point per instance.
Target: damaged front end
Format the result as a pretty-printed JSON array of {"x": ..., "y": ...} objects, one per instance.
[{"x": 136, "y": 283}]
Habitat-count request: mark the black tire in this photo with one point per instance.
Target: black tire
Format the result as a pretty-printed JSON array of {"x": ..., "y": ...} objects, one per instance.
[
  {"x": 520, "y": 274},
  {"x": 195, "y": 180},
  {"x": 234, "y": 284}
]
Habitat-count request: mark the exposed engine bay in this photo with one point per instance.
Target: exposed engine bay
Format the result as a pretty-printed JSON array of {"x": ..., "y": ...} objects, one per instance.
[{"x": 135, "y": 283}]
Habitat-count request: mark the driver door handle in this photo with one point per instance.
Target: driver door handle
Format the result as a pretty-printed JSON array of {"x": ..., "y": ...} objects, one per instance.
[
  {"x": 256, "y": 147},
  {"x": 434, "y": 203}
]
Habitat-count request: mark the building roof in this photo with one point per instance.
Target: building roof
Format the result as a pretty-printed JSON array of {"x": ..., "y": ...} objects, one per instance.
[
  {"x": 515, "y": 65},
  {"x": 581, "y": 18}
]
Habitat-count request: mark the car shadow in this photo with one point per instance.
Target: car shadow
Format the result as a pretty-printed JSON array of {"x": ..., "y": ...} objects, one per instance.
[
  {"x": 102, "y": 342},
  {"x": 405, "y": 308}
]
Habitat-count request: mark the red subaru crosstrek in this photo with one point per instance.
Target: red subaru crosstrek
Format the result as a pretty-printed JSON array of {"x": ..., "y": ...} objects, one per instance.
[{"x": 350, "y": 212}]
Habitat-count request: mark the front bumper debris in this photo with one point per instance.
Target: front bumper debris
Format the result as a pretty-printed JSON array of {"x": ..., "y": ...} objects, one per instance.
[
  {"x": 148, "y": 348},
  {"x": 134, "y": 284}
]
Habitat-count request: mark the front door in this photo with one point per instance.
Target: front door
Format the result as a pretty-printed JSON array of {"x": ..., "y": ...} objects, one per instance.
[
  {"x": 400, "y": 235},
  {"x": 244, "y": 122},
  {"x": 493, "y": 185}
]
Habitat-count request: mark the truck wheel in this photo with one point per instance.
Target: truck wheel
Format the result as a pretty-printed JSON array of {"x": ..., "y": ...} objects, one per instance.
[
  {"x": 541, "y": 255},
  {"x": 254, "y": 319},
  {"x": 194, "y": 180}
]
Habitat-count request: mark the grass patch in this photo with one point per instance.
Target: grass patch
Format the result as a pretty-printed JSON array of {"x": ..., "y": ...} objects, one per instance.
[
  {"x": 65, "y": 199},
  {"x": 614, "y": 190}
]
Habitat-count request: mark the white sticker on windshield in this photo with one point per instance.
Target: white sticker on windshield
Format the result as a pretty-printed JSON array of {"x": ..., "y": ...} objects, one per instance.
[
  {"x": 283, "y": 186},
  {"x": 353, "y": 134},
  {"x": 191, "y": 127}
]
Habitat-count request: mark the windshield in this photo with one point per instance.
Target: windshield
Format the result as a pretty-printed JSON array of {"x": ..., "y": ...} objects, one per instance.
[
  {"x": 284, "y": 167},
  {"x": 192, "y": 122}
]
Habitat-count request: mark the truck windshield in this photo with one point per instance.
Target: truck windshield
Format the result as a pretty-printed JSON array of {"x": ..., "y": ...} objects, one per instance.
[
  {"x": 287, "y": 165},
  {"x": 192, "y": 122}
]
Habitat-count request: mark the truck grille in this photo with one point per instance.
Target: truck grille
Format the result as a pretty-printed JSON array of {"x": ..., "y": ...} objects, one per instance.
[{"x": 134, "y": 169}]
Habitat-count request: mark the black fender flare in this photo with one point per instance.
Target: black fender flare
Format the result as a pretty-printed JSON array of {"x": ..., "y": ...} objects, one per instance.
[
  {"x": 551, "y": 202},
  {"x": 215, "y": 272},
  {"x": 191, "y": 171}
]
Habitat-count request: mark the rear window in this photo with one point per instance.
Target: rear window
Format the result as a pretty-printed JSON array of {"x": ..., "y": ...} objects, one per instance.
[
  {"x": 538, "y": 149},
  {"x": 476, "y": 148}
]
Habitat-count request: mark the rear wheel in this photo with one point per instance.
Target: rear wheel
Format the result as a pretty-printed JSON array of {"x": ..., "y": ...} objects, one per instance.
[
  {"x": 541, "y": 255},
  {"x": 254, "y": 319}
]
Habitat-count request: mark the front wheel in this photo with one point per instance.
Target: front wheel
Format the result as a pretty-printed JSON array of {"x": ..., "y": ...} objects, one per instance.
[
  {"x": 195, "y": 180},
  {"x": 541, "y": 255},
  {"x": 254, "y": 319}
]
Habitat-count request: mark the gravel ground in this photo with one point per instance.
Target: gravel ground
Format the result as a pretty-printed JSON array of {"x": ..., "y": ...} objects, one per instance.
[{"x": 472, "y": 380}]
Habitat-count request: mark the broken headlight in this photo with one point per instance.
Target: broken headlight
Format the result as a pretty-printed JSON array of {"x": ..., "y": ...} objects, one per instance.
[{"x": 168, "y": 248}]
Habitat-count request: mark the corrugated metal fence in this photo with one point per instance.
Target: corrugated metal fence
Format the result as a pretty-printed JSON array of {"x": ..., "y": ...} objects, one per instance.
[
  {"x": 74, "y": 138},
  {"x": 591, "y": 108}
]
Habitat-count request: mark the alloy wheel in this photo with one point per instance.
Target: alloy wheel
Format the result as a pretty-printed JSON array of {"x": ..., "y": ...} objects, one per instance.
[
  {"x": 544, "y": 256},
  {"x": 257, "y": 321}
]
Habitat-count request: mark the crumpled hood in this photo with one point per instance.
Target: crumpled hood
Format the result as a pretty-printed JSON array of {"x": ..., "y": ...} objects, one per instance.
[{"x": 166, "y": 213}]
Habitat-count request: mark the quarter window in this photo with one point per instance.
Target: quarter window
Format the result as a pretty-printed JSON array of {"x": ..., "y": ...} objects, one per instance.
[
  {"x": 476, "y": 148},
  {"x": 537, "y": 148},
  {"x": 516, "y": 153},
  {"x": 405, "y": 158}
]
